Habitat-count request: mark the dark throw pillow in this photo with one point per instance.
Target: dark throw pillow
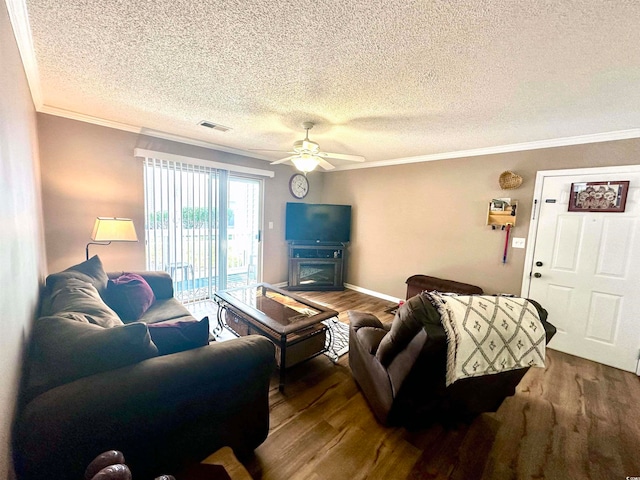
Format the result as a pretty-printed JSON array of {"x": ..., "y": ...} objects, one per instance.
[
  {"x": 89, "y": 271},
  {"x": 173, "y": 337},
  {"x": 67, "y": 349},
  {"x": 130, "y": 296},
  {"x": 75, "y": 298}
]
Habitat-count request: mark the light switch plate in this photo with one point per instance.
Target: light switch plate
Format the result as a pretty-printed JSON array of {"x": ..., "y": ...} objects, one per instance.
[{"x": 518, "y": 242}]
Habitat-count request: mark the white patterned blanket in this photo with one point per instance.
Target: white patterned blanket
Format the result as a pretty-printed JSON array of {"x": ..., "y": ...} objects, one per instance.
[{"x": 489, "y": 334}]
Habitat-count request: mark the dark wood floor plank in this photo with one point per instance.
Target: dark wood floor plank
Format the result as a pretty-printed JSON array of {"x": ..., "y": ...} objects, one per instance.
[{"x": 574, "y": 419}]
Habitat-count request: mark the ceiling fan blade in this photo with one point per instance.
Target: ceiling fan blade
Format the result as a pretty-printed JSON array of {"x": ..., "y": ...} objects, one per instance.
[
  {"x": 282, "y": 160},
  {"x": 268, "y": 150},
  {"x": 326, "y": 165},
  {"x": 342, "y": 156}
]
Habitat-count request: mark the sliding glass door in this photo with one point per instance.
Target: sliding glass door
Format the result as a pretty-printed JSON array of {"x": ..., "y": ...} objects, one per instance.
[
  {"x": 243, "y": 231},
  {"x": 202, "y": 227}
]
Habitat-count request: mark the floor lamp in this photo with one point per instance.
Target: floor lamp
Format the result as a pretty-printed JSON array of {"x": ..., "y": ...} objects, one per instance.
[{"x": 112, "y": 229}]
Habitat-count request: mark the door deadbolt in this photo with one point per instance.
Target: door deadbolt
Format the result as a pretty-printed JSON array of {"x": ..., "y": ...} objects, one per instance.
[
  {"x": 538, "y": 264},
  {"x": 537, "y": 275}
]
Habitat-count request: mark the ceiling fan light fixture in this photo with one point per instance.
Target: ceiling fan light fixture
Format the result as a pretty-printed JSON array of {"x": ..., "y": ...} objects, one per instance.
[
  {"x": 305, "y": 162},
  {"x": 306, "y": 146}
]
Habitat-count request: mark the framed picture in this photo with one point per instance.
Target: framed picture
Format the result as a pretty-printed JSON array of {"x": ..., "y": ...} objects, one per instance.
[{"x": 598, "y": 196}]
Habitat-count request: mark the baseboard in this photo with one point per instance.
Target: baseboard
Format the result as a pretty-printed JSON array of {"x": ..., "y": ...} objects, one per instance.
[
  {"x": 356, "y": 288},
  {"x": 366, "y": 291}
]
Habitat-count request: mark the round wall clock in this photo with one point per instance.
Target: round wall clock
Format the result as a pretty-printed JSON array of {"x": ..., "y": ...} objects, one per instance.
[{"x": 298, "y": 185}]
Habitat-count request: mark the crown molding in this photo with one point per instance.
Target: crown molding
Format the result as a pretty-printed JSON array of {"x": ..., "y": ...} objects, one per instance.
[
  {"x": 22, "y": 32},
  {"x": 475, "y": 152},
  {"x": 515, "y": 147},
  {"x": 81, "y": 117},
  {"x": 201, "y": 143}
]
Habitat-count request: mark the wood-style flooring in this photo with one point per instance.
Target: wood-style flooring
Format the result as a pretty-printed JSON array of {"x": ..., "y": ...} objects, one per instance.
[{"x": 576, "y": 419}]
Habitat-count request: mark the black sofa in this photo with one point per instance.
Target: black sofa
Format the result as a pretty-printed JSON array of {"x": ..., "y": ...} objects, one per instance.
[{"x": 95, "y": 384}]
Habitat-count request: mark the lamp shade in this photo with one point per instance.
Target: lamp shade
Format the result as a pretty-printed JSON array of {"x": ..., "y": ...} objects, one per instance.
[{"x": 111, "y": 229}]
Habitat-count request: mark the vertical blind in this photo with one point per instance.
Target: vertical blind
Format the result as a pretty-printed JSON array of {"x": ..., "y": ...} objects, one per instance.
[
  {"x": 201, "y": 222},
  {"x": 180, "y": 224}
]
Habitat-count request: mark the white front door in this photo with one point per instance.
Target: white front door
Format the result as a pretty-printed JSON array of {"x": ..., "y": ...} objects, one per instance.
[{"x": 584, "y": 268}]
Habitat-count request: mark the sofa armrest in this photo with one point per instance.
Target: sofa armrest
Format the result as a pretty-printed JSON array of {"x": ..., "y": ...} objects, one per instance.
[
  {"x": 160, "y": 413},
  {"x": 159, "y": 281}
]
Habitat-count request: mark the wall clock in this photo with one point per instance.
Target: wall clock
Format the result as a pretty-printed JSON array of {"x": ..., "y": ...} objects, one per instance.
[{"x": 298, "y": 185}]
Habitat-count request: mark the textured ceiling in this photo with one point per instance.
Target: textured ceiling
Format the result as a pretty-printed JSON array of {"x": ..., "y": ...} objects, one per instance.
[{"x": 387, "y": 79}]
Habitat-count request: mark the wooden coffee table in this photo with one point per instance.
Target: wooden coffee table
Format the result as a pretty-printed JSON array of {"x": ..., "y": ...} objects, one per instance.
[{"x": 292, "y": 323}]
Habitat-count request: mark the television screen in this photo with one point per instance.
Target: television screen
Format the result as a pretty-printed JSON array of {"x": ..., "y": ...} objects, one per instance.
[{"x": 318, "y": 223}]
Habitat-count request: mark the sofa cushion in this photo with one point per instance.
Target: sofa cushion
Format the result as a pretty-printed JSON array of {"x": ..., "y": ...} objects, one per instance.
[
  {"x": 129, "y": 295},
  {"x": 170, "y": 309},
  {"x": 89, "y": 271},
  {"x": 82, "y": 300},
  {"x": 172, "y": 337},
  {"x": 66, "y": 349}
]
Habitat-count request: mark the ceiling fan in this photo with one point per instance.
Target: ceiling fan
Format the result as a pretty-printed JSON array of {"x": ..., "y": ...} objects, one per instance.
[{"x": 306, "y": 155}]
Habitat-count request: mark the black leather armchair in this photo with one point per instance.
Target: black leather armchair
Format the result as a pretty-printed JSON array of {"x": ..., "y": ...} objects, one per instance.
[{"x": 403, "y": 380}]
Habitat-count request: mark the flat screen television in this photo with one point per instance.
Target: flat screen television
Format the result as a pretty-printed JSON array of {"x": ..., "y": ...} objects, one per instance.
[{"x": 318, "y": 223}]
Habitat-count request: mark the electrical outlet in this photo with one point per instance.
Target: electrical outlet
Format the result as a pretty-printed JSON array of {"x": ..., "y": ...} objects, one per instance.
[
  {"x": 518, "y": 242},
  {"x": 270, "y": 225}
]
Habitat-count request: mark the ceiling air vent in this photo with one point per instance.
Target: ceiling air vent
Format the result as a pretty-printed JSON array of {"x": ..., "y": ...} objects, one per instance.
[{"x": 214, "y": 126}]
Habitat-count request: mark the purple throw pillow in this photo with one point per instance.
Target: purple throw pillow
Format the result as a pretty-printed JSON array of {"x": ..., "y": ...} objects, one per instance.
[
  {"x": 129, "y": 296},
  {"x": 173, "y": 337}
]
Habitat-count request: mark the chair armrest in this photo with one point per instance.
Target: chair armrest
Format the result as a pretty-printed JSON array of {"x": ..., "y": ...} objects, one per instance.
[
  {"x": 161, "y": 410},
  {"x": 549, "y": 329},
  {"x": 368, "y": 329},
  {"x": 363, "y": 319},
  {"x": 370, "y": 338}
]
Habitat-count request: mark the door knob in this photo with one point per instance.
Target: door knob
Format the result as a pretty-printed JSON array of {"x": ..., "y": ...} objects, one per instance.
[
  {"x": 537, "y": 275},
  {"x": 538, "y": 264}
]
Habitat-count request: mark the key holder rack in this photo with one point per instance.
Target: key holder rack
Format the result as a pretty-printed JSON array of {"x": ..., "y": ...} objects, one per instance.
[
  {"x": 502, "y": 215},
  {"x": 502, "y": 212}
]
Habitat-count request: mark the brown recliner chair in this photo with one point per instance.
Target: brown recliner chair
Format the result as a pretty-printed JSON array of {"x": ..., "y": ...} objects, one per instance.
[{"x": 401, "y": 367}]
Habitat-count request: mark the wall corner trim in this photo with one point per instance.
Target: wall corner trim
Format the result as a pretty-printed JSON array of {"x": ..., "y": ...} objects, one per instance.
[{"x": 19, "y": 19}]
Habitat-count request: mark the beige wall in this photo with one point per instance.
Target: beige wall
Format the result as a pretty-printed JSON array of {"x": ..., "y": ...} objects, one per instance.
[
  {"x": 21, "y": 246},
  {"x": 419, "y": 218},
  {"x": 90, "y": 171},
  {"x": 430, "y": 218}
]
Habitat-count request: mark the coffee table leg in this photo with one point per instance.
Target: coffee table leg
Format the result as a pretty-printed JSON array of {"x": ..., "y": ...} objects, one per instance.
[
  {"x": 220, "y": 327},
  {"x": 283, "y": 358}
]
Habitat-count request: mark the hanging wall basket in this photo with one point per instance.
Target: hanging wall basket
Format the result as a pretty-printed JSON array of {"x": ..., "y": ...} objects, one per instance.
[{"x": 509, "y": 180}]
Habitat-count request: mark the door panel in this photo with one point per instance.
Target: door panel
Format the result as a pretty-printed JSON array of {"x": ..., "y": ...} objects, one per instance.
[
  {"x": 588, "y": 264},
  {"x": 603, "y": 317},
  {"x": 561, "y": 297},
  {"x": 613, "y": 258},
  {"x": 567, "y": 243}
]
